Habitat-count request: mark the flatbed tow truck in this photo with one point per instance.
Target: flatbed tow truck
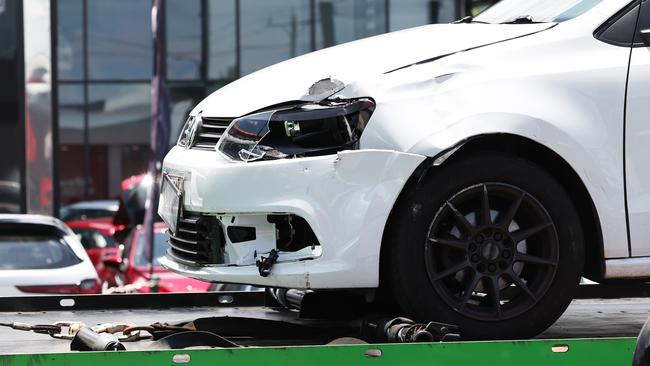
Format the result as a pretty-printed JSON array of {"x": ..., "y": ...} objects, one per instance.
[{"x": 599, "y": 328}]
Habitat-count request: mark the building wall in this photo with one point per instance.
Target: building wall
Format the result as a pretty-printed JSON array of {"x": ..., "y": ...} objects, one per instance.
[{"x": 104, "y": 58}]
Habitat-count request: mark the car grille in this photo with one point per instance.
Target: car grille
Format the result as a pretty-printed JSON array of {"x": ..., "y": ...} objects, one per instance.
[
  {"x": 198, "y": 240},
  {"x": 210, "y": 132}
]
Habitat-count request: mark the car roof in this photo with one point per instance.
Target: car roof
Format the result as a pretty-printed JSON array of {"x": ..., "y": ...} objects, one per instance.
[
  {"x": 105, "y": 225},
  {"x": 24, "y": 219},
  {"x": 99, "y": 204}
]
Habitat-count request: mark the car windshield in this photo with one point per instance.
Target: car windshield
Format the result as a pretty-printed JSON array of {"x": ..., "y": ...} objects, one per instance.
[
  {"x": 91, "y": 239},
  {"x": 514, "y": 11},
  {"x": 159, "y": 248},
  {"x": 35, "y": 252}
]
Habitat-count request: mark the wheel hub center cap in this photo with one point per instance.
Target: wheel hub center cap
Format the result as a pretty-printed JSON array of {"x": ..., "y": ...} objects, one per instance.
[{"x": 490, "y": 251}]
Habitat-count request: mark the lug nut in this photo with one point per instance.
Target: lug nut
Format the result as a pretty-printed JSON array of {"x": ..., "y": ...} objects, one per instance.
[
  {"x": 479, "y": 239},
  {"x": 498, "y": 236},
  {"x": 472, "y": 247},
  {"x": 492, "y": 267},
  {"x": 506, "y": 254},
  {"x": 475, "y": 258}
]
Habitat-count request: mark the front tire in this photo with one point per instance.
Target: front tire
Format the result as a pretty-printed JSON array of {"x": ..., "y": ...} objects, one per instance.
[{"x": 492, "y": 244}]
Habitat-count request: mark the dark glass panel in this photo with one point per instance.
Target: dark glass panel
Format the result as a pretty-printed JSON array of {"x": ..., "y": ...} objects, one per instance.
[
  {"x": 119, "y": 133},
  {"x": 72, "y": 176},
  {"x": 71, "y": 114},
  {"x": 70, "y": 39},
  {"x": 273, "y": 31},
  {"x": 119, "y": 39},
  {"x": 222, "y": 48},
  {"x": 183, "y": 18},
  {"x": 412, "y": 13},
  {"x": 340, "y": 21}
]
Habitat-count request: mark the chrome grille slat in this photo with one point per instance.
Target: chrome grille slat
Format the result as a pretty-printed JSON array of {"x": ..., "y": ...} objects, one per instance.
[
  {"x": 211, "y": 130},
  {"x": 210, "y": 135}
]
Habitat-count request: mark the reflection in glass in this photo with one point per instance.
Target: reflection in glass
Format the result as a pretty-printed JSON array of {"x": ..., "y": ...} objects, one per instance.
[
  {"x": 119, "y": 113},
  {"x": 119, "y": 39},
  {"x": 38, "y": 106},
  {"x": 70, "y": 39},
  {"x": 412, "y": 13},
  {"x": 222, "y": 61},
  {"x": 71, "y": 117},
  {"x": 340, "y": 21},
  {"x": 72, "y": 177},
  {"x": 273, "y": 31},
  {"x": 183, "y": 18},
  {"x": 118, "y": 132}
]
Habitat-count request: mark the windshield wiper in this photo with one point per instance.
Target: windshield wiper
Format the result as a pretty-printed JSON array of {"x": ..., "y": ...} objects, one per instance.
[
  {"x": 522, "y": 19},
  {"x": 469, "y": 19}
]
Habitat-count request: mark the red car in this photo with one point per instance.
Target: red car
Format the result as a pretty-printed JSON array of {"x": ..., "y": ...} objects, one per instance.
[
  {"x": 96, "y": 235},
  {"x": 134, "y": 268}
]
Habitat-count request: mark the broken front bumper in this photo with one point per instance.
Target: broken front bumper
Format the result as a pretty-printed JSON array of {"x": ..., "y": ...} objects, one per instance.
[{"x": 344, "y": 198}]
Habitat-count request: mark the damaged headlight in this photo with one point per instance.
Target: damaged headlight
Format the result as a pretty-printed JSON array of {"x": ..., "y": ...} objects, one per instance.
[
  {"x": 303, "y": 130},
  {"x": 189, "y": 130}
]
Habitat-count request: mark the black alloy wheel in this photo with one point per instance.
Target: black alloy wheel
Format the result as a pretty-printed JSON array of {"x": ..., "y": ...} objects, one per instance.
[
  {"x": 491, "y": 243},
  {"x": 480, "y": 259}
]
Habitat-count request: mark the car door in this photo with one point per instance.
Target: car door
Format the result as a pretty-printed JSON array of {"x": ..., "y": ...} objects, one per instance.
[{"x": 637, "y": 135}]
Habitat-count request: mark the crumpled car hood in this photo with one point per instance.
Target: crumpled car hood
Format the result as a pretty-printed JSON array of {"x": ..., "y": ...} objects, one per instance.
[{"x": 354, "y": 61}]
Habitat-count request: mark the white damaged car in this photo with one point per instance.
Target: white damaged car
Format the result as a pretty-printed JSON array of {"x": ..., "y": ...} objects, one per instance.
[{"x": 472, "y": 171}]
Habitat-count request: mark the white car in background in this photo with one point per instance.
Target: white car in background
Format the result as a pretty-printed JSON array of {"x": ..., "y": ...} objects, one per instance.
[
  {"x": 40, "y": 255},
  {"x": 472, "y": 172}
]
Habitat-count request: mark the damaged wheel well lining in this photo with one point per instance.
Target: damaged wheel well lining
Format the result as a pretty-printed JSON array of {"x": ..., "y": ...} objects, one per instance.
[{"x": 534, "y": 152}]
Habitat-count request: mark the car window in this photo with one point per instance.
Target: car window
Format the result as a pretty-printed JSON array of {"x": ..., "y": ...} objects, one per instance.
[
  {"x": 619, "y": 30},
  {"x": 35, "y": 252},
  {"x": 538, "y": 10},
  {"x": 91, "y": 239},
  {"x": 160, "y": 248}
]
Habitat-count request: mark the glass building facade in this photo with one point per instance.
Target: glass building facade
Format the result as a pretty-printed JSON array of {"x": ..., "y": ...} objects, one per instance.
[{"x": 104, "y": 65}]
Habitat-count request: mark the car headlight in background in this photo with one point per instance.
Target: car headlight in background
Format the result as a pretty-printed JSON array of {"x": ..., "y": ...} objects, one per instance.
[
  {"x": 189, "y": 130},
  {"x": 303, "y": 130}
]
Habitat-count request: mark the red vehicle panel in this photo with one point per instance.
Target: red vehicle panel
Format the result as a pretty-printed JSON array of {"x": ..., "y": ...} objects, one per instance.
[
  {"x": 96, "y": 235},
  {"x": 135, "y": 267}
]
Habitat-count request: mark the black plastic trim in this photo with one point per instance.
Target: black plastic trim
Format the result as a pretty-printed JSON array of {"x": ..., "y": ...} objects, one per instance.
[{"x": 611, "y": 21}]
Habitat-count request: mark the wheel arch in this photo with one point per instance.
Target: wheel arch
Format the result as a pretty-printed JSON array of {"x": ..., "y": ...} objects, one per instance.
[{"x": 534, "y": 152}]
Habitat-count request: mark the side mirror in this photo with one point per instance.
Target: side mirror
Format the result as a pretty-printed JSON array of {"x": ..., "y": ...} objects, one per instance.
[{"x": 645, "y": 35}]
